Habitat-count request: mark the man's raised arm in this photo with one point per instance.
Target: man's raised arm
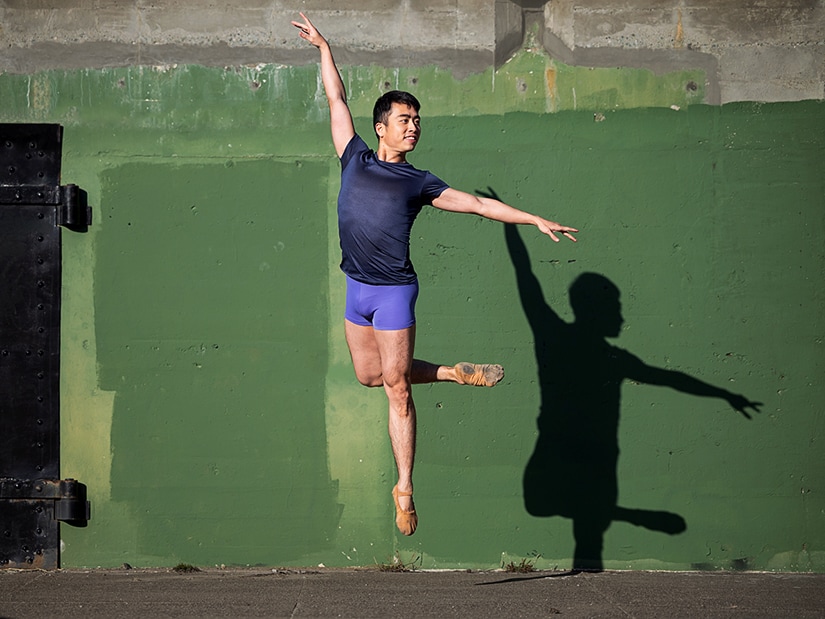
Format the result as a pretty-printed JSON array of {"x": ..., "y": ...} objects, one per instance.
[{"x": 339, "y": 114}]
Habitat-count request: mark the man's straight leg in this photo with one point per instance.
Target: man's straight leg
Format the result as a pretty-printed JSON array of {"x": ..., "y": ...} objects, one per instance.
[
  {"x": 384, "y": 358},
  {"x": 396, "y": 352}
]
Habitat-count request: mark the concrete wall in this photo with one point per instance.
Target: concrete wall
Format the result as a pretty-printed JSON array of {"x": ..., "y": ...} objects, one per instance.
[
  {"x": 208, "y": 399},
  {"x": 766, "y": 51}
]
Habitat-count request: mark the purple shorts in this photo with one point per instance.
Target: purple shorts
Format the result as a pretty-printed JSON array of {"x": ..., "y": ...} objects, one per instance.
[{"x": 385, "y": 308}]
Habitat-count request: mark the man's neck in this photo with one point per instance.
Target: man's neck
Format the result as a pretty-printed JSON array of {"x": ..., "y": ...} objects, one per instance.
[{"x": 389, "y": 155}]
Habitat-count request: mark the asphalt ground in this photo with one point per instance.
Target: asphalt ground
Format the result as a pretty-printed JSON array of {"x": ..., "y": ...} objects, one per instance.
[{"x": 322, "y": 592}]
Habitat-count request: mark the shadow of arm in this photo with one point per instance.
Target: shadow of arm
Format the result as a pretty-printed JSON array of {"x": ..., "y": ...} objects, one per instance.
[
  {"x": 529, "y": 289},
  {"x": 685, "y": 383}
]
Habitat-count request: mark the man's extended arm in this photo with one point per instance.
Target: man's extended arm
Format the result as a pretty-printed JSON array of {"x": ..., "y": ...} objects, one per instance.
[
  {"x": 491, "y": 208},
  {"x": 339, "y": 114}
]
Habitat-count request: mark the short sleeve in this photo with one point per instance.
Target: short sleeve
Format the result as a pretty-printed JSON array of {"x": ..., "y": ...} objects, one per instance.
[
  {"x": 355, "y": 147},
  {"x": 433, "y": 187}
]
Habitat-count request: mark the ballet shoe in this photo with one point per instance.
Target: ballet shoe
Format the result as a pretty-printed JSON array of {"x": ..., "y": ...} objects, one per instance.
[
  {"x": 478, "y": 374},
  {"x": 405, "y": 521}
]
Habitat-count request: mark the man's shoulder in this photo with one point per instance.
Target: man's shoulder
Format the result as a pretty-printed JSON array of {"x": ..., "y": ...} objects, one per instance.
[{"x": 355, "y": 146}]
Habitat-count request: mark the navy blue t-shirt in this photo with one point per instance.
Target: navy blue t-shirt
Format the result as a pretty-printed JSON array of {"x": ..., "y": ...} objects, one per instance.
[{"x": 377, "y": 206}]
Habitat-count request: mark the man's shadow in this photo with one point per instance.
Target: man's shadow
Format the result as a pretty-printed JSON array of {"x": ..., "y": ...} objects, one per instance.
[{"x": 572, "y": 471}]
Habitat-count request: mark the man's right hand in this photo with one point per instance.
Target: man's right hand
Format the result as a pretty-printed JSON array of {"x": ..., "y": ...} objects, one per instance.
[{"x": 308, "y": 32}]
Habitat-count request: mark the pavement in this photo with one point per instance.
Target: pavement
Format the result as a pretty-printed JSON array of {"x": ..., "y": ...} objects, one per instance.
[{"x": 361, "y": 593}]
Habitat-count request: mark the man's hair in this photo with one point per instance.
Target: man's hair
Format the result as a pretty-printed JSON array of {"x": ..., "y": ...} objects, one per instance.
[{"x": 382, "y": 108}]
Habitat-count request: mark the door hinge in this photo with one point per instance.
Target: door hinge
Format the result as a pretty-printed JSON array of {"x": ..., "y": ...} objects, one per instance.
[
  {"x": 70, "y": 201},
  {"x": 69, "y": 496}
]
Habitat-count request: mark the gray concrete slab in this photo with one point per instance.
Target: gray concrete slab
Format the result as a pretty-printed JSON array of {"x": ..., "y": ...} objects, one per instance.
[{"x": 373, "y": 593}]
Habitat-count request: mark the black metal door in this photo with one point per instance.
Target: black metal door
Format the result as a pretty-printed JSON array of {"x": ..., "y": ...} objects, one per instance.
[{"x": 33, "y": 207}]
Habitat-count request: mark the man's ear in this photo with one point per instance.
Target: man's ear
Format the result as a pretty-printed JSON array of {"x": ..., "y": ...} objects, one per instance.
[{"x": 379, "y": 130}]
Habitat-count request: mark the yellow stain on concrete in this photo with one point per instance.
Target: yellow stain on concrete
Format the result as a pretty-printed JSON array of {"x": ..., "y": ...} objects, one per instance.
[
  {"x": 550, "y": 80},
  {"x": 679, "y": 39}
]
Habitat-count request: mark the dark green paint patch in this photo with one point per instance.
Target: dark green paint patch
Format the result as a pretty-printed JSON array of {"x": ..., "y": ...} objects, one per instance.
[{"x": 210, "y": 293}]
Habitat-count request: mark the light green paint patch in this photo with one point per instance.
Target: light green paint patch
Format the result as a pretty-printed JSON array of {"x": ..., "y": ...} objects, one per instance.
[
  {"x": 601, "y": 89},
  {"x": 356, "y": 421},
  {"x": 530, "y": 81},
  {"x": 86, "y": 411},
  {"x": 191, "y": 98},
  {"x": 265, "y": 450}
]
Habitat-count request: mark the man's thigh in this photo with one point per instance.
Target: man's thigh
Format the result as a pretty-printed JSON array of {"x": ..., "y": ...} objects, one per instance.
[
  {"x": 363, "y": 349},
  {"x": 395, "y": 349},
  {"x": 378, "y": 355}
]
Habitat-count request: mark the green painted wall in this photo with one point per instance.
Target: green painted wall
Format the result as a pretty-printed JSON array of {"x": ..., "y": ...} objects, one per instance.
[{"x": 208, "y": 400}]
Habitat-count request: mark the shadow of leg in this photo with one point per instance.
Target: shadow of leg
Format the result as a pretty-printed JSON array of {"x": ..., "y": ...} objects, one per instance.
[
  {"x": 664, "y": 522},
  {"x": 588, "y": 533}
]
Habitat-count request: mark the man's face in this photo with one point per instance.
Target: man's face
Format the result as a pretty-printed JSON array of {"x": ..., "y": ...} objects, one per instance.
[{"x": 402, "y": 129}]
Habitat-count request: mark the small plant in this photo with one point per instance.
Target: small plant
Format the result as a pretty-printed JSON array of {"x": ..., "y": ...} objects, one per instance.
[
  {"x": 525, "y": 566},
  {"x": 522, "y": 567},
  {"x": 185, "y": 568},
  {"x": 398, "y": 565}
]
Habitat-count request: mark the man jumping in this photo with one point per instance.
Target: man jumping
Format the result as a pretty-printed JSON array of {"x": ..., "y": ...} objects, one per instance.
[{"x": 381, "y": 195}]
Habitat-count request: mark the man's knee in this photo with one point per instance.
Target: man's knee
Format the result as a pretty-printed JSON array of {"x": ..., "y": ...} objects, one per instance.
[
  {"x": 369, "y": 379},
  {"x": 399, "y": 391}
]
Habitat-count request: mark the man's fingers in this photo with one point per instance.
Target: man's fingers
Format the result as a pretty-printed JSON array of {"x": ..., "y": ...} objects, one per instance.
[
  {"x": 305, "y": 27},
  {"x": 563, "y": 230}
]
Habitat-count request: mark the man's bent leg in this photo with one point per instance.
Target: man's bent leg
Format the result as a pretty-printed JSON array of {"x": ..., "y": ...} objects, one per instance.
[
  {"x": 477, "y": 374},
  {"x": 366, "y": 358}
]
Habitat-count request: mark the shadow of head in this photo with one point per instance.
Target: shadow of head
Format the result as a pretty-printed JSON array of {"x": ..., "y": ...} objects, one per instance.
[{"x": 596, "y": 305}]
